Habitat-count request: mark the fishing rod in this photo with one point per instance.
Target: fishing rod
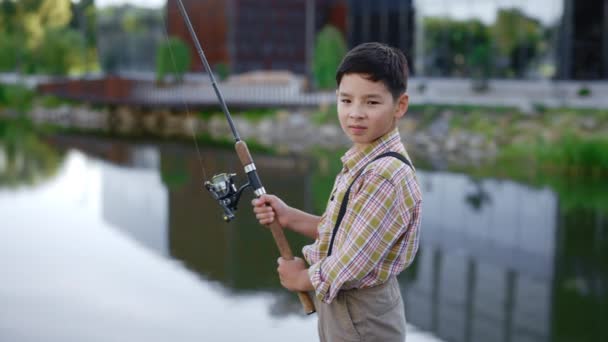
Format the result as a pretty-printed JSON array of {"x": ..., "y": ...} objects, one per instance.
[{"x": 222, "y": 186}]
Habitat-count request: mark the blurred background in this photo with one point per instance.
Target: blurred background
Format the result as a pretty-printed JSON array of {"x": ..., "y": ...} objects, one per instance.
[{"x": 109, "y": 127}]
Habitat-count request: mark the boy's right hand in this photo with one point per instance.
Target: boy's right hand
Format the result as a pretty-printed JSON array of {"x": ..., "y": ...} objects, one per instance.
[{"x": 268, "y": 207}]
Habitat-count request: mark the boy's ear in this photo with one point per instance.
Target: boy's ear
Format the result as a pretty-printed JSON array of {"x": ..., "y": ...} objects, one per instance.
[{"x": 401, "y": 106}]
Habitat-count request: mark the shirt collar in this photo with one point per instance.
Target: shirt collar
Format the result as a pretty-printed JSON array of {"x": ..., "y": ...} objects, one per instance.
[{"x": 355, "y": 158}]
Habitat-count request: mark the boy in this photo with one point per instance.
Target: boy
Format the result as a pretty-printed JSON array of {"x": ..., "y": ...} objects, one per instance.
[{"x": 361, "y": 248}]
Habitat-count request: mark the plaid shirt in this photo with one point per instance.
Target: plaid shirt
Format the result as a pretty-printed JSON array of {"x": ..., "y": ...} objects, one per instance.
[{"x": 379, "y": 234}]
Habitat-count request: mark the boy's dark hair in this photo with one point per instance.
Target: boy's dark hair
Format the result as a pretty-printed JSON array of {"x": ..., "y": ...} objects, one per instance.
[{"x": 380, "y": 62}]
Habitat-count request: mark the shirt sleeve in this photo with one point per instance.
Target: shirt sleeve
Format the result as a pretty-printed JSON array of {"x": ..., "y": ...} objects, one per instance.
[{"x": 375, "y": 224}]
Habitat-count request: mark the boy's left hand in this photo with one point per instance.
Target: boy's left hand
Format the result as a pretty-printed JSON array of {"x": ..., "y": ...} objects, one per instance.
[{"x": 294, "y": 274}]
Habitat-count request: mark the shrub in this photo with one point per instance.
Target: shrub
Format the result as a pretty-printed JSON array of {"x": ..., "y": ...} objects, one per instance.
[
  {"x": 330, "y": 48},
  {"x": 172, "y": 58}
]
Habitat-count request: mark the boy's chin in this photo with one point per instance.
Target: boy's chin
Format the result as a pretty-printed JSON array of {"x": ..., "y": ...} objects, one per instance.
[{"x": 360, "y": 140}]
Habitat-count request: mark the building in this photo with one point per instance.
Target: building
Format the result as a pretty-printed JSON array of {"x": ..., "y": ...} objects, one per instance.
[
  {"x": 127, "y": 39},
  {"x": 388, "y": 21},
  {"x": 210, "y": 20},
  {"x": 540, "y": 39},
  {"x": 279, "y": 35},
  {"x": 584, "y": 40}
]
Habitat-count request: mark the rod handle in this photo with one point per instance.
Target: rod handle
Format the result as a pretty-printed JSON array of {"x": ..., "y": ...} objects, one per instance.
[
  {"x": 285, "y": 250},
  {"x": 275, "y": 228}
]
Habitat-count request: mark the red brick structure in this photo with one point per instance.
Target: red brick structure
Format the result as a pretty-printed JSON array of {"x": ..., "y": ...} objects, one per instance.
[
  {"x": 210, "y": 21},
  {"x": 256, "y": 34},
  {"x": 111, "y": 89}
]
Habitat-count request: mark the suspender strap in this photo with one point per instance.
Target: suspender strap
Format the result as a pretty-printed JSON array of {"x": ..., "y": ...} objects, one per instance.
[{"x": 346, "y": 195}]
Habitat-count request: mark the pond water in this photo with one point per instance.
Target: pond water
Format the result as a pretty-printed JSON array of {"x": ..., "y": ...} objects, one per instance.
[{"x": 106, "y": 240}]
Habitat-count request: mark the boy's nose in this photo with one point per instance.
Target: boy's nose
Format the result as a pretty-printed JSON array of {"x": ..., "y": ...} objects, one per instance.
[{"x": 356, "y": 113}]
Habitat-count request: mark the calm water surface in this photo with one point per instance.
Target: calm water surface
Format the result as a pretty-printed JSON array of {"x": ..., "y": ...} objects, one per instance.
[{"x": 104, "y": 240}]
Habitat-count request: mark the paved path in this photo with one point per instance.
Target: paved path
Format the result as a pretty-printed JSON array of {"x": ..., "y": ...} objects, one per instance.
[{"x": 523, "y": 94}]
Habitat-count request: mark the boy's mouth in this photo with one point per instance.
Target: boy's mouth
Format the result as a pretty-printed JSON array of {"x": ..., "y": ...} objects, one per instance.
[{"x": 356, "y": 129}]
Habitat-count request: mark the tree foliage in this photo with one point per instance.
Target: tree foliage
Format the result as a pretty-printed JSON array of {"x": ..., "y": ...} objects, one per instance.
[
  {"x": 59, "y": 52},
  {"x": 470, "y": 48},
  {"x": 456, "y": 48},
  {"x": 34, "y": 17},
  {"x": 43, "y": 36},
  {"x": 10, "y": 51},
  {"x": 330, "y": 48},
  {"x": 518, "y": 38}
]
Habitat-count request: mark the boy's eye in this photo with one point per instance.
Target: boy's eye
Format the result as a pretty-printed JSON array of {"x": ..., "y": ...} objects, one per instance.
[
  {"x": 373, "y": 102},
  {"x": 345, "y": 101}
]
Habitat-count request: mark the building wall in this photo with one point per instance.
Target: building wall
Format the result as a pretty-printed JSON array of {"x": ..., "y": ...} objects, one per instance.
[
  {"x": 386, "y": 21},
  {"x": 210, "y": 22},
  {"x": 584, "y": 40},
  {"x": 122, "y": 51},
  {"x": 270, "y": 34}
]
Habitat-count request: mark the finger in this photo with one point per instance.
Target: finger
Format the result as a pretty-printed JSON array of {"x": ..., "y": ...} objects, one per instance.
[
  {"x": 260, "y": 210},
  {"x": 257, "y": 202},
  {"x": 265, "y": 216},
  {"x": 263, "y": 209}
]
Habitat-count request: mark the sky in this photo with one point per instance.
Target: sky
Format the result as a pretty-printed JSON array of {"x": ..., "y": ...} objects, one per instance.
[
  {"x": 546, "y": 10},
  {"x": 141, "y": 3}
]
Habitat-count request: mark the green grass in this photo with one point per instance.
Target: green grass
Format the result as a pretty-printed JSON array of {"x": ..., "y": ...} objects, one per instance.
[
  {"x": 575, "y": 167},
  {"x": 253, "y": 115},
  {"x": 325, "y": 114},
  {"x": 16, "y": 97},
  {"x": 49, "y": 101},
  {"x": 257, "y": 114},
  {"x": 570, "y": 155}
]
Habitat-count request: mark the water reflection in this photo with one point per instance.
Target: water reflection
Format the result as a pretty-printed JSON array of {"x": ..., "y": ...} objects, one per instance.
[
  {"x": 24, "y": 159},
  {"x": 485, "y": 273},
  {"x": 135, "y": 199},
  {"x": 499, "y": 261}
]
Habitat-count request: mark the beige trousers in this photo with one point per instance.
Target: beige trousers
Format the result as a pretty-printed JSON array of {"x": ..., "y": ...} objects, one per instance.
[{"x": 366, "y": 315}]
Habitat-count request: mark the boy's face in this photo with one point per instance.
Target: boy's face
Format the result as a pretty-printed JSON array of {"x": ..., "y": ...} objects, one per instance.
[{"x": 367, "y": 109}]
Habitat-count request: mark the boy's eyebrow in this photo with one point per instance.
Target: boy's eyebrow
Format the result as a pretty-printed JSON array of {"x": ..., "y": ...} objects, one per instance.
[{"x": 365, "y": 96}]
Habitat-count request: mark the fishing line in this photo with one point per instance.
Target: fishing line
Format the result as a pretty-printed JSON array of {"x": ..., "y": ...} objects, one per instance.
[{"x": 185, "y": 103}]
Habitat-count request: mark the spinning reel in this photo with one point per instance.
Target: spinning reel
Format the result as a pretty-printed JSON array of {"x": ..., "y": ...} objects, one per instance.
[{"x": 223, "y": 189}]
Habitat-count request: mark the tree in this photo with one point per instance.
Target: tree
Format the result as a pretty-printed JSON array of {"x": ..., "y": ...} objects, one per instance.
[
  {"x": 34, "y": 17},
  {"x": 518, "y": 37},
  {"x": 457, "y": 48},
  {"x": 10, "y": 50},
  {"x": 84, "y": 21},
  {"x": 172, "y": 57},
  {"x": 60, "y": 52},
  {"x": 34, "y": 37},
  {"x": 330, "y": 48}
]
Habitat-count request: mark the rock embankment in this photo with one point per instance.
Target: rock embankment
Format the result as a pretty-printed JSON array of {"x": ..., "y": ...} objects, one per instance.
[{"x": 442, "y": 135}]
